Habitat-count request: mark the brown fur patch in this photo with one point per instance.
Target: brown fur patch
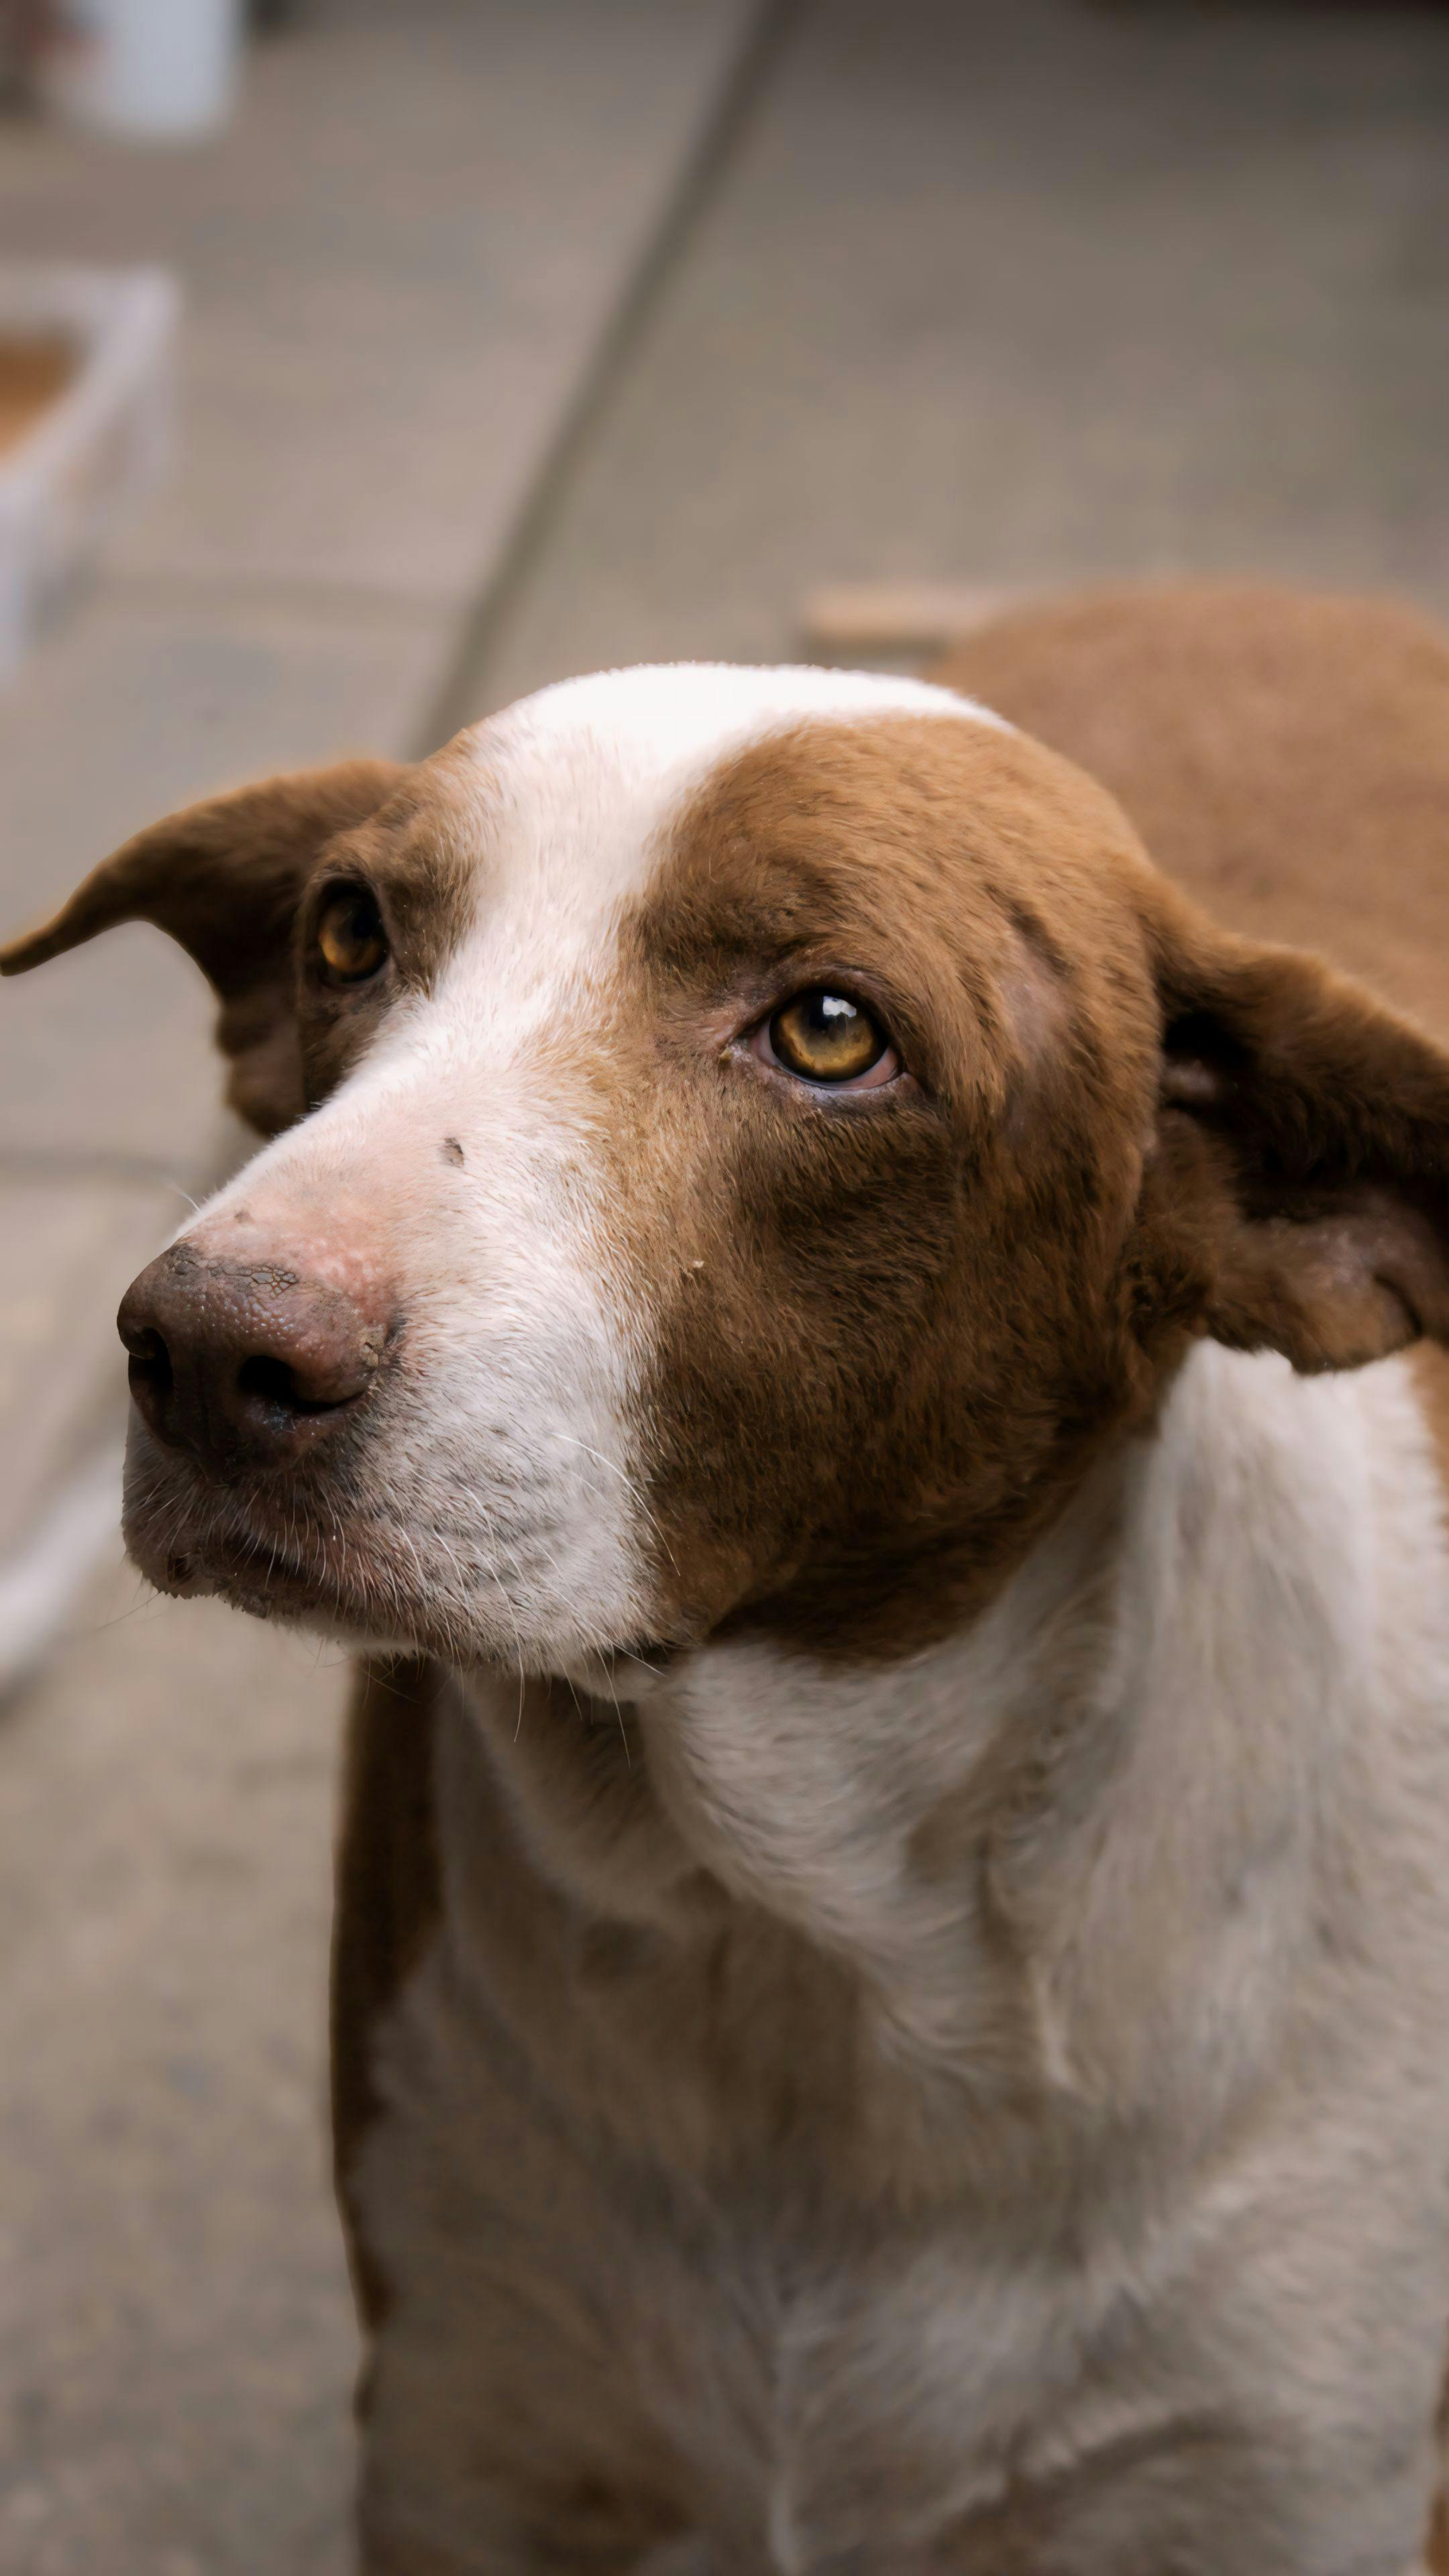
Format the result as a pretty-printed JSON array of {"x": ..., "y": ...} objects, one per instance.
[
  {"x": 902, "y": 1323},
  {"x": 861, "y": 1280},
  {"x": 1438, "y": 2553}
]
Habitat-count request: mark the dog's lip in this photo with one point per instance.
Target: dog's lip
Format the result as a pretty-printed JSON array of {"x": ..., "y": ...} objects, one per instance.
[
  {"x": 246, "y": 1561},
  {"x": 288, "y": 1594},
  {"x": 251, "y": 1572},
  {"x": 194, "y": 1539}
]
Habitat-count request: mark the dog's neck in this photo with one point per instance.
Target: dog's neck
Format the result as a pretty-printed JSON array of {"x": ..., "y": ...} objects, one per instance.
[{"x": 1077, "y": 1855}]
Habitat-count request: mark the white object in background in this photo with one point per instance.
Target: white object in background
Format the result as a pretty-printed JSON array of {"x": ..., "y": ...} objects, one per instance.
[
  {"x": 157, "y": 70},
  {"x": 39, "y": 1585},
  {"x": 103, "y": 438}
]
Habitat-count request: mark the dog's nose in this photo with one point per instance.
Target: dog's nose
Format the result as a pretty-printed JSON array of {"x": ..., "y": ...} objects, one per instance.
[{"x": 244, "y": 1364}]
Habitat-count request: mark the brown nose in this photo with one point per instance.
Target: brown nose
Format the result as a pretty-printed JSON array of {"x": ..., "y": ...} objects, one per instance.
[{"x": 246, "y": 1365}]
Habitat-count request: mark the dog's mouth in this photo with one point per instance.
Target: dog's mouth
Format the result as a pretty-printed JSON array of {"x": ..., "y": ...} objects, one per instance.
[
  {"x": 288, "y": 1548},
  {"x": 274, "y": 1563},
  {"x": 346, "y": 1567}
]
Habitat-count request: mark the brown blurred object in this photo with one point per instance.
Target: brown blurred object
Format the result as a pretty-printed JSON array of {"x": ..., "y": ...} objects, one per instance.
[
  {"x": 25, "y": 26},
  {"x": 32, "y": 373},
  {"x": 845, "y": 620}
]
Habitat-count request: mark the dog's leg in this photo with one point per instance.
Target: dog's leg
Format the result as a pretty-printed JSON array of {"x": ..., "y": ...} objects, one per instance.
[
  {"x": 1436, "y": 2555},
  {"x": 387, "y": 1904},
  {"x": 442, "y": 2528},
  {"x": 685, "y": 2556}
]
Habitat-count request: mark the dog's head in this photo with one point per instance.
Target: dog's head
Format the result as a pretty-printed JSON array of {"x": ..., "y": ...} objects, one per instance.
[{"x": 743, "y": 1141}]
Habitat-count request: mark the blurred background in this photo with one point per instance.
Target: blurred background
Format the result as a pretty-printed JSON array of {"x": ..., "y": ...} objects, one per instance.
[{"x": 364, "y": 363}]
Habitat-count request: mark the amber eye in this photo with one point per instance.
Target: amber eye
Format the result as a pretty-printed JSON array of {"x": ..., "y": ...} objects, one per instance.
[
  {"x": 825, "y": 1037},
  {"x": 351, "y": 941}
]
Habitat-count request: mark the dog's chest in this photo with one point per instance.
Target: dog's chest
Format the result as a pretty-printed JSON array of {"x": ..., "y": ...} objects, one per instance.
[
  {"x": 623, "y": 2269},
  {"x": 817, "y": 2397},
  {"x": 800, "y": 2392}
]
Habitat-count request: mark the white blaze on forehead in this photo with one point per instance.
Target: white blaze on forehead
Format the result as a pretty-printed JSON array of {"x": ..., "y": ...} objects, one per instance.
[{"x": 579, "y": 784}]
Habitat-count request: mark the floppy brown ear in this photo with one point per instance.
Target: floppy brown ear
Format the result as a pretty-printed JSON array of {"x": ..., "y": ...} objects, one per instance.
[
  {"x": 224, "y": 879},
  {"x": 1303, "y": 1150}
]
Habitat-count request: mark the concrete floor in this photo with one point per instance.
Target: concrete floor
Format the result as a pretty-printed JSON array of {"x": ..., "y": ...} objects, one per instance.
[
  {"x": 1029, "y": 295},
  {"x": 1022, "y": 294},
  {"x": 178, "y": 2347}
]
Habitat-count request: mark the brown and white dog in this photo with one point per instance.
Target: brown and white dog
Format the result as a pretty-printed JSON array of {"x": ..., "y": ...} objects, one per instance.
[{"x": 834, "y": 1336}]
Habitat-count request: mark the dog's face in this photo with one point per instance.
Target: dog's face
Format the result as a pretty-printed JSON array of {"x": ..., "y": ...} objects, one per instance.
[{"x": 765, "y": 1131}]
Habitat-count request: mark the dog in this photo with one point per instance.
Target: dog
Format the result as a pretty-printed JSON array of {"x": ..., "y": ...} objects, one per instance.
[{"x": 839, "y": 1335}]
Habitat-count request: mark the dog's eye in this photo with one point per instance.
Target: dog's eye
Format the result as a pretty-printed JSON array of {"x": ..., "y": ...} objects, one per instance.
[
  {"x": 825, "y": 1037},
  {"x": 351, "y": 941}
]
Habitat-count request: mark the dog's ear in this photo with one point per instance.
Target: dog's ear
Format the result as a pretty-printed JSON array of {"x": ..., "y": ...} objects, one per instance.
[
  {"x": 1302, "y": 1152},
  {"x": 224, "y": 879}
]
